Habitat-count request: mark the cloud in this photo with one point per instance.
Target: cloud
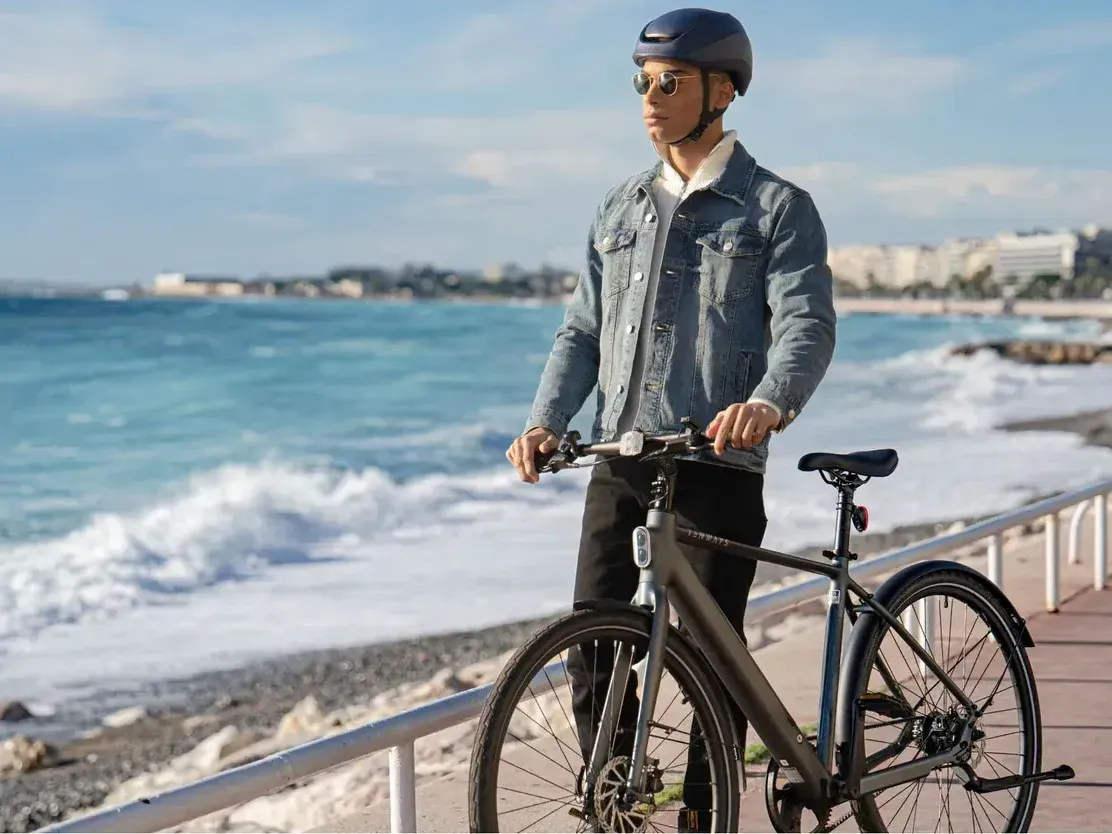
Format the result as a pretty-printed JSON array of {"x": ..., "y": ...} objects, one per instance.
[
  {"x": 822, "y": 174},
  {"x": 71, "y": 61},
  {"x": 520, "y": 153},
  {"x": 868, "y": 203},
  {"x": 864, "y": 75},
  {"x": 1031, "y": 82},
  {"x": 1052, "y": 194},
  {"x": 1068, "y": 39},
  {"x": 271, "y": 220}
]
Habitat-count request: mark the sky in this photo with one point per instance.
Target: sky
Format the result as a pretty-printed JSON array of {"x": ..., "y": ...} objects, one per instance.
[{"x": 279, "y": 137}]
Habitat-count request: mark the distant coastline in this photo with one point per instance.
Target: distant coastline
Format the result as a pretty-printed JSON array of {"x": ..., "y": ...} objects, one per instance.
[
  {"x": 1057, "y": 309},
  {"x": 1093, "y": 309},
  {"x": 541, "y": 289}
]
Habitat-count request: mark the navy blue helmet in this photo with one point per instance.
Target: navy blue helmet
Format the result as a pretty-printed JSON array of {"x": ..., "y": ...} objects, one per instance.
[{"x": 710, "y": 40}]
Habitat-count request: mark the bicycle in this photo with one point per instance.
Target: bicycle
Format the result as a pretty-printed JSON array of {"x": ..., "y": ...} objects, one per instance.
[{"x": 807, "y": 772}]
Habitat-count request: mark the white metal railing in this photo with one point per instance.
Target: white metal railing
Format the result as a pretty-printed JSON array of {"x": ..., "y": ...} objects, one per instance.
[{"x": 398, "y": 733}]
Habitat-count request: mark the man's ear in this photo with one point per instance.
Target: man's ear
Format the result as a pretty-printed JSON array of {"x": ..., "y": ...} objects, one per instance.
[{"x": 724, "y": 93}]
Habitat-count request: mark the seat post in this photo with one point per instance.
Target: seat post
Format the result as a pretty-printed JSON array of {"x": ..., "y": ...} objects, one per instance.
[
  {"x": 846, "y": 489},
  {"x": 846, "y": 484}
]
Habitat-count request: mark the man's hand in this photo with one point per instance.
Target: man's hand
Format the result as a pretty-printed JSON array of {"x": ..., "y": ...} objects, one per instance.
[
  {"x": 742, "y": 424},
  {"x": 522, "y": 450}
]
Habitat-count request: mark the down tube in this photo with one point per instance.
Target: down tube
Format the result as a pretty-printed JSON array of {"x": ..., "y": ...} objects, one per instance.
[{"x": 743, "y": 678}]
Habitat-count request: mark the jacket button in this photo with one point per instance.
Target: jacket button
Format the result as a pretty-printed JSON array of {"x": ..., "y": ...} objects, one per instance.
[
  {"x": 728, "y": 245},
  {"x": 637, "y": 276},
  {"x": 630, "y": 328},
  {"x": 606, "y": 240},
  {"x": 621, "y": 389},
  {"x": 648, "y": 218},
  {"x": 791, "y": 413}
]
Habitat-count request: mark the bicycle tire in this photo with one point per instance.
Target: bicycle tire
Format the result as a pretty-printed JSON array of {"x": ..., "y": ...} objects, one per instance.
[
  {"x": 981, "y": 596},
  {"x": 682, "y": 660}
]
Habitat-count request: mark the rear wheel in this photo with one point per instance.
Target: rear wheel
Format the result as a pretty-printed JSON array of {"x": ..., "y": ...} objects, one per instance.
[
  {"x": 906, "y": 713},
  {"x": 529, "y": 763}
]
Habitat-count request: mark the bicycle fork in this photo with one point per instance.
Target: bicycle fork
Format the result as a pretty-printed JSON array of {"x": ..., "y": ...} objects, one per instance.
[{"x": 648, "y": 596}]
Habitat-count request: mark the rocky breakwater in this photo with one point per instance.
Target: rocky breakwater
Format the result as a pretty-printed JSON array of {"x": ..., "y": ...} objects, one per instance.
[{"x": 1034, "y": 352}]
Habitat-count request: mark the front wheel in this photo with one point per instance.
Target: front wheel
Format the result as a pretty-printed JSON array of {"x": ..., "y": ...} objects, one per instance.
[
  {"x": 535, "y": 738},
  {"x": 904, "y": 712}
]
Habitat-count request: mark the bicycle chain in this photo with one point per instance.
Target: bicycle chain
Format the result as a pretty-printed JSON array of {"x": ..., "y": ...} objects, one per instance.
[{"x": 830, "y": 826}]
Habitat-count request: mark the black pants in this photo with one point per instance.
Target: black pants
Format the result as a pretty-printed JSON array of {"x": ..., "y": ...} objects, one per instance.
[{"x": 714, "y": 499}]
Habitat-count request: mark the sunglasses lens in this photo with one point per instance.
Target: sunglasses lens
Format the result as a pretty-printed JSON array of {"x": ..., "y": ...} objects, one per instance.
[
  {"x": 641, "y": 83},
  {"x": 668, "y": 83}
]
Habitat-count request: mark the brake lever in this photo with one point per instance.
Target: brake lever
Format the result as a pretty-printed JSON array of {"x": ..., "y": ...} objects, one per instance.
[
  {"x": 542, "y": 460},
  {"x": 565, "y": 453}
]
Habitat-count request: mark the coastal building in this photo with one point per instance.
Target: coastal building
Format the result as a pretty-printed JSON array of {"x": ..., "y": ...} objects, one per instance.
[
  {"x": 896, "y": 267},
  {"x": 1021, "y": 257},
  {"x": 909, "y": 266},
  {"x": 860, "y": 266},
  {"x": 349, "y": 287},
  {"x": 1014, "y": 259},
  {"x": 963, "y": 257},
  {"x": 182, "y": 284}
]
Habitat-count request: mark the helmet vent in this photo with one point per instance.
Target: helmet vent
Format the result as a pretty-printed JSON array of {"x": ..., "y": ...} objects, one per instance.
[{"x": 663, "y": 35}]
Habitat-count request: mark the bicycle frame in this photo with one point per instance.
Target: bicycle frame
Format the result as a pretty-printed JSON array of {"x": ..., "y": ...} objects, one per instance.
[{"x": 667, "y": 577}]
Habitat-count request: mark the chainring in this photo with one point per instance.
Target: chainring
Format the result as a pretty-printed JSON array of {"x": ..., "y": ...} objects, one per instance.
[{"x": 785, "y": 810}]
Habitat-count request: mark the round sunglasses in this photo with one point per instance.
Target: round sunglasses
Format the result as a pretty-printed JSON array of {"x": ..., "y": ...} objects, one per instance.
[{"x": 667, "y": 81}]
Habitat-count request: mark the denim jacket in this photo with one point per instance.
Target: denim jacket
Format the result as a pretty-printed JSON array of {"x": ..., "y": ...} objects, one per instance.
[{"x": 744, "y": 308}]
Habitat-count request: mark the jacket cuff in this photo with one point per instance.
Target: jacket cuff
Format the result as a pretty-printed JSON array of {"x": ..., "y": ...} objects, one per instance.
[
  {"x": 767, "y": 392},
  {"x": 779, "y": 412},
  {"x": 550, "y": 420}
]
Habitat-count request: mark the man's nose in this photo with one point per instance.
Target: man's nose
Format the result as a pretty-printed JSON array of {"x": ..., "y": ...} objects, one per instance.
[{"x": 654, "y": 97}]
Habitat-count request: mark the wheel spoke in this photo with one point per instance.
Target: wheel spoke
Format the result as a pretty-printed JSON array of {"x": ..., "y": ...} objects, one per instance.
[
  {"x": 685, "y": 753},
  {"x": 991, "y": 671}
]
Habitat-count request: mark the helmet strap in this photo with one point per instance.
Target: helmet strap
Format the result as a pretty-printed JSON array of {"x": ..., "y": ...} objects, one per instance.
[{"x": 708, "y": 116}]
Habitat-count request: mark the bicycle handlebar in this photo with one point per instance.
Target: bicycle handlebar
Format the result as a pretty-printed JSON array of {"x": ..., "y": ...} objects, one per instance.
[{"x": 632, "y": 444}]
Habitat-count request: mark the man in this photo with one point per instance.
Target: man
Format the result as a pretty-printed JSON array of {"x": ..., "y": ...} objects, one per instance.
[{"x": 706, "y": 293}]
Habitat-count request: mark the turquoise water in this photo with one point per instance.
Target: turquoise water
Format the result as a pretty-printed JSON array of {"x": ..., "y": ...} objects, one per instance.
[
  {"x": 155, "y": 451},
  {"x": 110, "y": 402}
]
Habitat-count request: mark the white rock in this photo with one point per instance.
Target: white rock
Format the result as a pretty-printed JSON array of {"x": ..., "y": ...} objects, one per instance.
[
  {"x": 203, "y": 760},
  {"x": 125, "y": 717},
  {"x": 306, "y": 716},
  {"x": 20, "y": 754},
  {"x": 195, "y": 722}
]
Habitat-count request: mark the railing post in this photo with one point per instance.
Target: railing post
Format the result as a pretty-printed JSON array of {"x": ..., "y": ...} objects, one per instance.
[
  {"x": 1052, "y": 563},
  {"x": 996, "y": 559},
  {"x": 1100, "y": 542},
  {"x": 1075, "y": 531},
  {"x": 403, "y": 790}
]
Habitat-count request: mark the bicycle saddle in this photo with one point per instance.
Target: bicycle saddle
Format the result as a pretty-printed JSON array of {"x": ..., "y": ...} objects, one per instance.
[{"x": 875, "y": 463}]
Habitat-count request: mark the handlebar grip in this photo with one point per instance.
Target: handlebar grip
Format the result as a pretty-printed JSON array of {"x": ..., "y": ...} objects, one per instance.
[{"x": 542, "y": 459}]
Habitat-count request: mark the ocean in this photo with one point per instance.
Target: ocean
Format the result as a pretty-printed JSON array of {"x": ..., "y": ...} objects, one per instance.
[{"x": 187, "y": 485}]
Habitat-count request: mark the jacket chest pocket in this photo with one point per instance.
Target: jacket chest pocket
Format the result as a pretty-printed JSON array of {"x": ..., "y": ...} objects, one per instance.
[
  {"x": 728, "y": 262},
  {"x": 615, "y": 249}
]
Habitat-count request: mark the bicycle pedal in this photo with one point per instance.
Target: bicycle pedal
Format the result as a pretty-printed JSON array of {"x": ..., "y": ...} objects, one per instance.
[{"x": 884, "y": 704}]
